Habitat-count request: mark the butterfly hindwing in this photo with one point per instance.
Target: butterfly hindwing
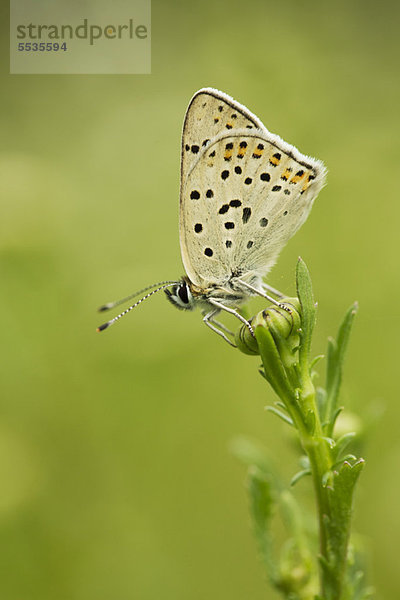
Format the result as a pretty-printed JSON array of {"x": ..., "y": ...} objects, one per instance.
[{"x": 243, "y": 197}]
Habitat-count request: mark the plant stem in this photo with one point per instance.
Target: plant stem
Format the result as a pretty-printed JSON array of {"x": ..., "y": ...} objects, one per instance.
[
  {"x": 283, "y": 339},
  {"x": 317, "y": 450}
]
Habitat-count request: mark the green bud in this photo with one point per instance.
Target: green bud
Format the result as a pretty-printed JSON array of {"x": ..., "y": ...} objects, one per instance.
[
  {"x": 246, "y": 342},
  {"x": 282, "y": 321}
]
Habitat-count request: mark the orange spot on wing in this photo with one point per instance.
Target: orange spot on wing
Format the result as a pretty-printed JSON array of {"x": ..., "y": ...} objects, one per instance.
[
  {"x": 296, "y": 178},
  {"x": 307, "y": 183},
  {"x": 274, "y": 161},
  {"x": 228, "y": 154},
  {"x": 286, "y": 174}
]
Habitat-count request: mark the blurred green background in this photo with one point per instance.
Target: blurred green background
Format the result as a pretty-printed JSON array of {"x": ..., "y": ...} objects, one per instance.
[{"x": 116, "y": 477}]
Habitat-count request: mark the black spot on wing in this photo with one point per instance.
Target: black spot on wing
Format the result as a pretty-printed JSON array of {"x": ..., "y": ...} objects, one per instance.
[
  {"x": 246, "y": 214},
  {"x": 235, "y": 203}
]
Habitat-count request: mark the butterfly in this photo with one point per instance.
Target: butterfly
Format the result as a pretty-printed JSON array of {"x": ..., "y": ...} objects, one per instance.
[{"x": 244, "y": 193}]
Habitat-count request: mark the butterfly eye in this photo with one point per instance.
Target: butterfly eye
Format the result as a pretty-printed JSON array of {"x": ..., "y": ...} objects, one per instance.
[
  {"x": 183, "y": 294},
  {"x": 180, "y": 296}
]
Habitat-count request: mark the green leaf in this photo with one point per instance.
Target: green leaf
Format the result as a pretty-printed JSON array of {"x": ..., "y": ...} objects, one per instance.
[
  {"x": 316, "y": 360},
  {"x": 337, "y": 526},
  {"x": 332, "y": 421},
  {"x": 342, "y": 444},
  {"x": 310, "y": 420},
  {"x": 345, "y": 329},
  {"x": 281, "y": 405},
  {"x": 330, "y": 442},
  {"x": 350, "y": 458},
  {"x": 262, "y": 502},
  {"x": 304, "y": 461},
  {"x": 331, "y": 364},
  {"x": 321, "y": 402},
  {"x": 280, "y": 414},
  {"x": 308, "y": 310},
  {"x": 274, "y": 370},
  {"x": 326, "y": 478},
  {"x": 299, "y": 476},
  {"x": 334, "y": 366}
]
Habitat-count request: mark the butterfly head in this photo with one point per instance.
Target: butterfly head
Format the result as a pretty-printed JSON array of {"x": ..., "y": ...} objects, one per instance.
[{"x": 181, "y": 296}]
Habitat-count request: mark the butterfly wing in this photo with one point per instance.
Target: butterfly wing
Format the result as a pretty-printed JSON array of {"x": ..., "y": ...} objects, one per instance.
[
  {"x": 209, "y": 113},
  {"x": 244, "y": 195}
]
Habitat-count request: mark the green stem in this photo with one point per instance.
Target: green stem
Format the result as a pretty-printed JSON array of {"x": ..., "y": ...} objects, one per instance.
[
  {"x": 320, "y": 459},
  {"x": 285, "y": 353}
]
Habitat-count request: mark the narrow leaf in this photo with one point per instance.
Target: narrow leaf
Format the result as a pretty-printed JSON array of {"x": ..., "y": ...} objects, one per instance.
[
  {"x": 262, "y": 501},
  {"x": 331, "y": 363},
  {"x": 340, "y": 495},
  {"x": 342, "y": 444},
  {"x": 321, "y": 402},
  {"x": 281, "y": 405},
  {"x": 316, "y": 360},
  {"x": 299, "y": 476},
  {"x": 308, "y": 310},
  {"x": 280, "y": 414},
  {"x": 345, "y": 330},
  {"x": 329, "y": 441},
  {"x": 334, "y": 367},
  {"x": 309, "y": 420},
  {"x": 273, "y": 368}
]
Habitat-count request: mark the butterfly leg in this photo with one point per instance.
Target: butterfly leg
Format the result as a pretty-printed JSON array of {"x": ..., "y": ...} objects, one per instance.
[
  {"x": 213, "y": 325},
  {"x": 231, "y": 311},
  {"x": 264, "y": 295},
  {"x": 221, "y": 326}
]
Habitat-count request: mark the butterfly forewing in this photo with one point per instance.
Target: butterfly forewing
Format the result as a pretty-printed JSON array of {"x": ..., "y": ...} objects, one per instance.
[
  {"x": 246, "y": 193},
  {"x": 209, "y": 113}
]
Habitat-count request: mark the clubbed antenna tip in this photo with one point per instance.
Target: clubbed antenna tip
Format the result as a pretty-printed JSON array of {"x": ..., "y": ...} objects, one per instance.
[{"x": 104, "y": 326}]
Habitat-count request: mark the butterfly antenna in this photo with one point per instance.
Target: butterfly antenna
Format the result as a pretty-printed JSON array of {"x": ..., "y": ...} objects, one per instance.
[
  {"x": 109, "y": 305},
  {"x": 162, "y": 287}
]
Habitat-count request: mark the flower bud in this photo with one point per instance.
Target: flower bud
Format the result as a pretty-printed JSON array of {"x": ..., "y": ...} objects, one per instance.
[{"x": 283, "y": 323}]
